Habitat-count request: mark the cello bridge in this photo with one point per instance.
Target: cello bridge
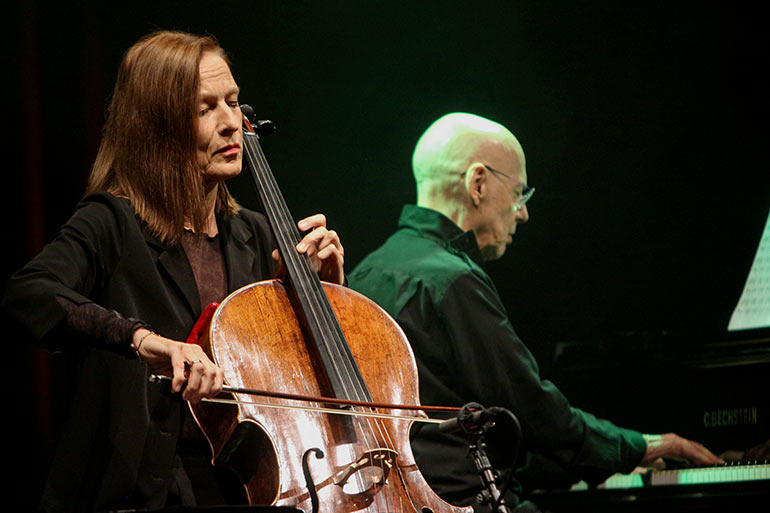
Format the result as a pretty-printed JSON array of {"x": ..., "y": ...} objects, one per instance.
[{"x": 373, "y": 465}]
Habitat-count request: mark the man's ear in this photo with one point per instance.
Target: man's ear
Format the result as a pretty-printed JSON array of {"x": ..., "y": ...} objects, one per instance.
[{"x": 476, "y": 182}]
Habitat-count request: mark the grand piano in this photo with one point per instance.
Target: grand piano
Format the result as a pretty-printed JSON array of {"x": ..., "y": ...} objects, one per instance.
[
  {"x": 708, "y": 382},
  {"x": 713, "y": 390}
]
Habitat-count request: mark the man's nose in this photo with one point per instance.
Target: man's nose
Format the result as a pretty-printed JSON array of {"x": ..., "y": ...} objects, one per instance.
[{"x": 522, "y": 215}]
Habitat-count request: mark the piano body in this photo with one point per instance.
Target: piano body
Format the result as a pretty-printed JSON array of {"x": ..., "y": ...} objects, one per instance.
[{"x": 716, "y": 392}]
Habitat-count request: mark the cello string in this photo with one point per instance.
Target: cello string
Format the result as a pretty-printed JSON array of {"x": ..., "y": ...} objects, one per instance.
[
  {"x": 302, "y": 276},
  {"x": 306, "y": 280},
  {"x": 320, "y": 310},
  {"x": 350, "y": 377},
  {"x": 283, "y": 230}
]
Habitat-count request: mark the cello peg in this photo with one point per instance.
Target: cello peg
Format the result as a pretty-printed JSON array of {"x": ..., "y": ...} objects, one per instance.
[{"x": 261, "y": 127}]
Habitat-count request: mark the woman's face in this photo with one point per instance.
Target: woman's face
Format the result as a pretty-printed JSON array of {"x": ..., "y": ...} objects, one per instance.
[{"x": 220, "y": 133}]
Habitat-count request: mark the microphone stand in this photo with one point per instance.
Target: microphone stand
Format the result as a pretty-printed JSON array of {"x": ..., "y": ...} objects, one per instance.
[
  {"x": 476, "y": 451},
  {"x": 475, "y": 426}
]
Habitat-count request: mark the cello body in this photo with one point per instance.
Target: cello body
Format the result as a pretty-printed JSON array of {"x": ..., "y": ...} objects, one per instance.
[{"x": 285, "y": 457}]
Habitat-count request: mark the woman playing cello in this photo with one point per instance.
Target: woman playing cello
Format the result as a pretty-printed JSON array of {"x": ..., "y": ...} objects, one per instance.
[{"x": 157, "y": 237}]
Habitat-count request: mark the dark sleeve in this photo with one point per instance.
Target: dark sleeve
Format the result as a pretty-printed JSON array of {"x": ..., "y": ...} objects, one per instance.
[
  {"x": 483, "y": 340},
  {"x": 96, "y": 325},
  {"x": 69, "y": 271}
]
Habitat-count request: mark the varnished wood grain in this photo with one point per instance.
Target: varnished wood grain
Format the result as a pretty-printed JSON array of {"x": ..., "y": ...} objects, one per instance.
[{"x": 256, "y": 339}]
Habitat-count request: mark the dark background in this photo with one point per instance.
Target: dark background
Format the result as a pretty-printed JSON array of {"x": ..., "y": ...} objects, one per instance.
[{"x": 644, "y": 127}]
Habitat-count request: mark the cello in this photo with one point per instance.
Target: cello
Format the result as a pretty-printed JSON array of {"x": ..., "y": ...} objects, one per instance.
[{"x": 299, "y": 337}]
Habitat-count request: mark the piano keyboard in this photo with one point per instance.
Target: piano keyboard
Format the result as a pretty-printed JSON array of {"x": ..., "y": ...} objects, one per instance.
[
  {"x": 728, "y": 473},
  {"x": 736, "y": 486}
]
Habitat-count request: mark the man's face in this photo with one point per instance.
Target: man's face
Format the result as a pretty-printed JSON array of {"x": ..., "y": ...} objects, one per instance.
[
  {"x": 497, "y": 219},
  {"x": 219, "y": 120}
]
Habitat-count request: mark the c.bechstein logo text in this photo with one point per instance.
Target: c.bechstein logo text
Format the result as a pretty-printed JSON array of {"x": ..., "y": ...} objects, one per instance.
[{"x": 730, "y": 417}]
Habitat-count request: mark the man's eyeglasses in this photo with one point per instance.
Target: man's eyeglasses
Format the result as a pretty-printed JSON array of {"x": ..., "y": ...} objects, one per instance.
[{"x": 520, "y": 197}]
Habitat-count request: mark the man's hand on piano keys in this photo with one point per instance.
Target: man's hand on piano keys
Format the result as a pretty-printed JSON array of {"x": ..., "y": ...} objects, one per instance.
[{"x": 673, "y": 446}]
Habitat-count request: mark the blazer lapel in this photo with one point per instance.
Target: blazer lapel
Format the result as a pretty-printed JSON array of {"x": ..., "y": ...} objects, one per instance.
[
  {"x": 173, "y": 260},
  {"x": 239, "y": 255}
]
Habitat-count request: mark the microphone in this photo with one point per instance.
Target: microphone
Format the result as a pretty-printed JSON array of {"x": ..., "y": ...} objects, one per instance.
[{"x": 471, "y": 417}]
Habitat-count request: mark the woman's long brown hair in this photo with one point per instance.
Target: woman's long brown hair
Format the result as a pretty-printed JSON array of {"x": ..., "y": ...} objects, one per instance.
[{"x": 148, "y": 148}]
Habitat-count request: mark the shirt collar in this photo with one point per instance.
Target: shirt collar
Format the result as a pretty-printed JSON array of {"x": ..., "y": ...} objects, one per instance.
[{"x": 436, "y": 225}]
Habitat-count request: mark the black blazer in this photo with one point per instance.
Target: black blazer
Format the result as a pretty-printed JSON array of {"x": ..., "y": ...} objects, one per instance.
[{"x": 118, "y": 446}]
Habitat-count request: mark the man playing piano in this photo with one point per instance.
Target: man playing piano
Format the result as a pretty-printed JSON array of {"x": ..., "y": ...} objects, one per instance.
[{"x": 471, "y": 196}]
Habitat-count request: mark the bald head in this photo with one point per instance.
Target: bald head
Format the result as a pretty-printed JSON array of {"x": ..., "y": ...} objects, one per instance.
[
  {"x": 454, "y": 140},
  {"x": 456, "y": 164}
]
